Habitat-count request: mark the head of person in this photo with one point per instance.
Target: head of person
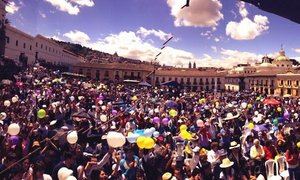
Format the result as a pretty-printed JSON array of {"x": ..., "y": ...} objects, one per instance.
[
  {"x": 214, "y": 146},
  {"x": 256, "y": 143},
  {"x": 129, "y": 153}
]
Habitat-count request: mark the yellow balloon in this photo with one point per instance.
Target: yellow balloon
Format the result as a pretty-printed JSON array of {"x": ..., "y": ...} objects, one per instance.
[
  {"x": 279, "y": 109},
  {"x": 249, "y": 106},
  {"x": 201, "y": 101},
  {"x": 251, "y": 126},
  {"x": 134, "y": 98},
  {"x": 185, "y": 135},
  {"x": 183, "y": 128},
  {"x": 141, "y": 142},
  {"x": 217, "y": 104},
  {"x": 277, "y": 156},
  {"x": 149, "y": 143},
  {"x": 298, "y": 144},
  {"x": 173, "y": 113}
]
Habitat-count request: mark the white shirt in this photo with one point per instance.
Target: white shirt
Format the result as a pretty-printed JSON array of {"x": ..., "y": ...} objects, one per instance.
[{"x": 212, "y": 157}]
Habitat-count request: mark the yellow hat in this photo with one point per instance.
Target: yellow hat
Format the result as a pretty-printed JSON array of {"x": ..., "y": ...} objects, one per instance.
[{"x": 166, "y": 176}]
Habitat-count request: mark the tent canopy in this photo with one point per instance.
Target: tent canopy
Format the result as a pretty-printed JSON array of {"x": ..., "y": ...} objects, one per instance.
[
  {"x": 144, "y": 83},
  {"x": 169, "y": 83}
]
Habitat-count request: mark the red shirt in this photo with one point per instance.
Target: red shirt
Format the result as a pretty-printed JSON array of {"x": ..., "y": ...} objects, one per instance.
[{"x": 270, "y": 152}]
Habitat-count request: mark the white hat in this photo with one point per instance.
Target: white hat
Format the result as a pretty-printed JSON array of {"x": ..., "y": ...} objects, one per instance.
[
  {"x": 260, "y": 177},
  {"x": 65, "y": 128},
  {"x": 53, "y": 122},
  {"x": 71, "y": 178},
  {"x": 234, "y": 145},
  {"x": 196, "y": 149},
  {"x": 226, "y": 163},
  {"x": 2, "y": 116},
  {"x": 63, "y": 173}
]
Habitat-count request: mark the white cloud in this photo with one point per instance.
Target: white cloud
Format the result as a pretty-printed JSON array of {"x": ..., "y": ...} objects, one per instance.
[
  {"x": 158, "y": 33},
  {"x": 242, "y": 9},
  {"x": 89, "y": 3},
  {"x": 200, "y": 13},
  {"x": 247, "y": 29},
  {"x": 297, "y": 50},
  {"x": 77, "y": 37},
  {"x": 43, "y": 15},
  {"x": 214, "y": 48},
  {"x": 217, "y": 39},
  {"x": 12, "y": 7},
  {"x": 71, "y": 6}
]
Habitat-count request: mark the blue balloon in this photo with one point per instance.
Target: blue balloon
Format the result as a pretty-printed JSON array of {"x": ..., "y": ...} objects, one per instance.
[{"x": 139, "y": 132}]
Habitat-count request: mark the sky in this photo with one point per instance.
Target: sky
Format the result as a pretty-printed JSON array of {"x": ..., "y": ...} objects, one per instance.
[{"x": 220, "y": 33}]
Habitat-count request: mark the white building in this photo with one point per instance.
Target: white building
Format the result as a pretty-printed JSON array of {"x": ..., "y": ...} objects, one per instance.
[{"x": 39, "y": 47}]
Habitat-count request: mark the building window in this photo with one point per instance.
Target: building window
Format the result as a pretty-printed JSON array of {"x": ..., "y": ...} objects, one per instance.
[
  {"x": 36, "y": 44},
  {"x": 30, "y": 47},
  {"x": 46, "y": 48},
  {"x": 24, "y": 45},
  {"x": 297, "y": 83},
  {"x": 157, "y": 79},
  {"x": 17, "y": 43},
  {"x": 49, "y": 49},
  {"x": 170, "y": 79},
  {"x": 7, "y": 40},
  {"x": 132, "y": 74},
  {"x": 163, "y": 79},
  {"x": 41, "y": 46},
  {"x": 106, "y": 74},
  {"x": 80, "y": 71},
  {"x": 139, "y": 74},
  {"x": 97, "y": 75}
]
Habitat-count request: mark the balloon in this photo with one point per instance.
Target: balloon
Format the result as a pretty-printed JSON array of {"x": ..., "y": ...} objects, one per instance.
[
  {"x": 275, "y": 121},
  {"x": 103, "y": 108},
  {"x": 41, "y": 114},
  {"x": 165, "y": 121},
  {"x": 149, "y": 143},
  {"x": 298, "y": 144},
  {"x": 250, "y": 126},
  {"x": 152, "y": 129},
  {"x": 244, "y": 105},
  {"x": 134, "y": 98},
  {"x": 183, "y": 128},
  {"x": 13, "y": 129},
  {"x": 7, "y": 103},
  {"x": 72, "y": 137},
  {"x": 148, "y": 132},
  {"x": 115, "y": 139},
  {"x": 139, "y": 132},
  {"x": 279, "y": 109},
  {"x": 72, "y": 98},
  {"x": 14, "y": 99},
  {"x": 200, "y": 123},
  {"x": 156, "y": 134},
  {"x": 173, "y": 113},
  {"x": 249, "y": 106},
  {"x": 114, "y": 112},
  {"x": 103, "y": 117},
  {"x": 185, "y": 135},
  {"x": 156, "y": 120},
  {"x": 229, "y": 115},
  {"x": 256, "y": 113},
  {"x": 214, "y": 110},
  {"x": 140, "y": 142},
  {"x": 132, "y": 137},
  {"x": 68, "y": 91}
]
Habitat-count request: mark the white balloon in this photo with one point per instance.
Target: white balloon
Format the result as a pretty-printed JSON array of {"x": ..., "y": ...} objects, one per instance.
[
  {"x": 256, "y": 113},
  {"x": 155, "y": 134},
  {"x": 152, "y": 129},
  {"x": 80, "y": 98},
  {"x": 115, "y": 139},
  {"x": 13, "y": 129},
  {"x": 148, "y": 132},
  {"x": 230, "y": 105},
  {"x": 229, "y": 115},
  {"x": 103, "y": 118},
  {"x": 244, "y": 105},
  {"x": 7, "y": 103},
  {"x": 72, "y": 98},
  {"x": 15, "y": 99},
  {"x": 103, "y": 108},
  {"x": 63, "y": 173},
  {"x": 68, "y": 91},
  {"x": 72, "y": 137},
  {"x": 100, "y": 102},
  {"x": 132, "y": 138},
  {"x": 71, "y": 178}
]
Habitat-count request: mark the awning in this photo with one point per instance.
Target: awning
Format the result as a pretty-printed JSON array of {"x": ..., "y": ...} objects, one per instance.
[
  {"x": 130, "y": 81},
  {"x": 144, "y": 83},
  {"x": 169, "y": 83}
]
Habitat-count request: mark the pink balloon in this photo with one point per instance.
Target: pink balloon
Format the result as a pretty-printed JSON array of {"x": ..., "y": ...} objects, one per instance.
[
  {"x": 156, "y": 120},
  {"x": 114, "y": 112},
  {"x": 165, "y": 121}
]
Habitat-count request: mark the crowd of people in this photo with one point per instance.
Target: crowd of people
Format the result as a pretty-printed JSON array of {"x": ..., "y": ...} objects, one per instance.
[{"x": 65, "y": 128}]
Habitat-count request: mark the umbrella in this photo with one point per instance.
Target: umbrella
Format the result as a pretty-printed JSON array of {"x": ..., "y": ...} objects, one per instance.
[
  {"x": 271, "y": 101},
  {"x": 171, "y": 104}
]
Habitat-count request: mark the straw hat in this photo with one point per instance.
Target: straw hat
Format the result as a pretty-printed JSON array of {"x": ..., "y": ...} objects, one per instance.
[
  {"x": 35, "y": 143},
  {"x": 53, "y": 122},
  {"x": 166, "y": 176},
  {"x": 234, "y": 145},
  {"x": 226, "y": 163}
]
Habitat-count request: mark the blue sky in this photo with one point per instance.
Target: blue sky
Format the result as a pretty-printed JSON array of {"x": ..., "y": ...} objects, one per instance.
[{"x": 210, "y": 32}]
